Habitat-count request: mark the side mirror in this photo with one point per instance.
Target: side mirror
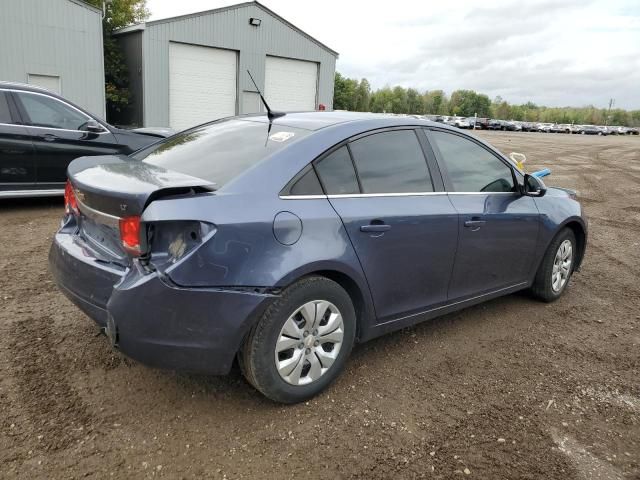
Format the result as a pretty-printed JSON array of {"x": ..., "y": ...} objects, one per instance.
[
  {"x": 533, "y": 186},
  {"x": 93, "y": 127}
]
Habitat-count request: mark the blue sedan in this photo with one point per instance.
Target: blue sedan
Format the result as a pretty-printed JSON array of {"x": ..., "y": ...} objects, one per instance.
[{"x": 282, "y": 242}]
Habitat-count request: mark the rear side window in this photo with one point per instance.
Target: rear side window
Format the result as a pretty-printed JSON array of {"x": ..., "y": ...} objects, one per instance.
[
  {"x": 5, "y": 114},
  {"x": 472, "y": 168},
  {"x": 337, "y": 174},
  {"x": 220, "y": 151},
  {"x": 307, "y": 184},
  {"x": 391, "y": 162}
]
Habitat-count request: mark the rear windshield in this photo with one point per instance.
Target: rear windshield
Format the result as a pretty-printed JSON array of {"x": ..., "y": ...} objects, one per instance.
[{"x": 221, "y": 151}]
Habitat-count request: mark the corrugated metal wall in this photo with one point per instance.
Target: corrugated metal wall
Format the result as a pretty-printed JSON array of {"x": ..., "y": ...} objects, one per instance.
[
  {"x": 228, "y": 29},
  {"x": 54, "y": 37}
]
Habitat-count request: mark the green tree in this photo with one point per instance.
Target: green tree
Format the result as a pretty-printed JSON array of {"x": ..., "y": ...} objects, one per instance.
[
  {"x": 415, "y": 105},
  {"x": 363, "y": 96},
  {"x": 351, "y": 94},
  {"x": 399, "y": 101},
  {"x": 119, "y": 14},
  {"x": 434, "y": 102}
]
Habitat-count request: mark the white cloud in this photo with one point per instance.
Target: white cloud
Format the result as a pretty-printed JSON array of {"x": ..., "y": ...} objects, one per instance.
[{"x": 568, "y": 52}]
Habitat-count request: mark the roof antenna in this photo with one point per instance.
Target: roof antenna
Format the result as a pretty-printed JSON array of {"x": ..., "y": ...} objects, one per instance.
[{"x": 270, "y": 113}]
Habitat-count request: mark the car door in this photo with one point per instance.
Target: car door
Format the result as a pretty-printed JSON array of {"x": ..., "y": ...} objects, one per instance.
[
  {"x": 17, "y": 154},
  {"x": 498, "y": 226},
  {"x": 59, "y": 135},
  {"x": 400, "y": 222}
]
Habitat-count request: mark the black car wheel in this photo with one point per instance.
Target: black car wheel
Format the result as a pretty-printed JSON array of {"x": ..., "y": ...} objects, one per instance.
[
  {"x": 301, "y": 343},
  {"x": 556, "y": 268}
]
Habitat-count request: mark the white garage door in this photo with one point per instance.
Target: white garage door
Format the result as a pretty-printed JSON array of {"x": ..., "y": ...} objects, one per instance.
[
  {"x": 291, "y": 85},
  {"x": 202, "y": 84}
]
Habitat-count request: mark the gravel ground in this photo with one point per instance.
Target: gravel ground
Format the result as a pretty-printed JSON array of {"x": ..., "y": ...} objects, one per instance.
[{"x": 509, "y": 389}]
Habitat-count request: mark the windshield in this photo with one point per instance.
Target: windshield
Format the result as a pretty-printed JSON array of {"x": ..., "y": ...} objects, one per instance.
[{"x": 220, "y": 151}]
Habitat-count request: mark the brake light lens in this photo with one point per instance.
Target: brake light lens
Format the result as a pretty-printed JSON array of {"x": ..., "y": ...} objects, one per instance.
[
  {"x": 130, "y": 234},
  {"x": 70, "y": 201}
]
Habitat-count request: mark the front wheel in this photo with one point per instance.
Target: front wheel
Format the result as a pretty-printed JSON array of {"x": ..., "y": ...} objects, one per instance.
[
  {"x": 301, "y": 343},
  {"x": 556, "y": 268}
]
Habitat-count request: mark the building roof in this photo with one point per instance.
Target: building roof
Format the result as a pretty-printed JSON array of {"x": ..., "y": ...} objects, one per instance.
[
  {"x": 142, "y": 26},
  {"x": 86, "y": 5}
]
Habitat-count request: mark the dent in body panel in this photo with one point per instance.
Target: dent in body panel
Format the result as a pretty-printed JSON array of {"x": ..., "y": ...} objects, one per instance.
[{"x": 244, "y": 250}]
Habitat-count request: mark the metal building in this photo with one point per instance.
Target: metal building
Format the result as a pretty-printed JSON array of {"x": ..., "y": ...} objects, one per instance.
[
  {"x": 56, "y": 44},
  {"x": 191, "y": 69}
]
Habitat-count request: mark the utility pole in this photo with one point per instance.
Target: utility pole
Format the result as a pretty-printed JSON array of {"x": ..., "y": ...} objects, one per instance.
[{"x": 612, "y": 102}]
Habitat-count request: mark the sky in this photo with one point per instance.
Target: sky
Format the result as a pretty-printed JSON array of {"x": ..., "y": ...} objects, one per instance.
[{"x": 550, "y": 52}]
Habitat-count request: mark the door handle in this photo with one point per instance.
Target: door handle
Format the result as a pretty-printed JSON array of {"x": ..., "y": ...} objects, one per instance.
[
  {"x": 48, "y": 137},
  {"x": 375, "y": 227},
  {"x": 474, "y": 224}
]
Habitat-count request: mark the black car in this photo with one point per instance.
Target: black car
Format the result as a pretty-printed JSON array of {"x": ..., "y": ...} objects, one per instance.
[
  {"x": 494, "y": 124},
  {"x": 590, "y": 130},
  {"x": 41, "y": 133}
]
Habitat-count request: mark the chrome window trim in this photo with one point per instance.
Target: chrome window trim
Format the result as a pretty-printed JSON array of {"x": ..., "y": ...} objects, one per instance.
[
  {"x": 106, "y": 130},
  {"x": 31, "y": 193},
  {"x": 374, "y": 195},
  {"x": 301, "y": 197},
  {"x": 24, "y": 125},
  {"x": 483, "y": 193}
]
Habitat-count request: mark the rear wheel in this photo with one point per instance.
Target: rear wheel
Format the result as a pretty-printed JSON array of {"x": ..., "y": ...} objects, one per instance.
[
  {"x": 302, "y": 341},
  {"x": 556, "y": 268}
]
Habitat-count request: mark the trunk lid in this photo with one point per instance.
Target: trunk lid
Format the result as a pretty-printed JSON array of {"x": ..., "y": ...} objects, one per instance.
[
  {"x": 109, "y": 188},
  {"x": 119, "y": 186}
]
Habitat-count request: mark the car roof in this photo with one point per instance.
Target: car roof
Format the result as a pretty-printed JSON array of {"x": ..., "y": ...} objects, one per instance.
[
  {"x": 318, "y": 120},
  {"x": 25, "y": 87}
]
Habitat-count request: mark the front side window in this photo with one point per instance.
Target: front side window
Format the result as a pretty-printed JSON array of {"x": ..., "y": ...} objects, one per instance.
[
  {"x": 44, "y": 111},
  {"x": 391, "y": 162},
  {"x": 337, "y": 174},
  {"x": 472, "y": 168},
  {"x": 5, "y": 114}
]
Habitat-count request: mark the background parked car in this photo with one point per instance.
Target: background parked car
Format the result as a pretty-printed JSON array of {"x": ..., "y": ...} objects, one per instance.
[
  {"x": 590, "y": 130},
  {"x": 511, "y": 126},
  {"x": 529, "y": 127},
  {"x": 576, "y": 129},
  {"x": 545, "y": 127},
  {"x": 41, "y": 133},
  {"x": 479, "y": 123},
  {"x": 461, "y": 122},
  {"x": 494, "y": 124}
]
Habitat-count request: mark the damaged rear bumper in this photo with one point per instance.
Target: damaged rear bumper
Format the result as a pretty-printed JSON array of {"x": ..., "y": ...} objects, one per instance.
[{"x": 151, "y": 320}]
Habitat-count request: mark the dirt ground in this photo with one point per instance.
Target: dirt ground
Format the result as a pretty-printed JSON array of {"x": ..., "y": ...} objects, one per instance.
[{"x": 509, "y": 389}]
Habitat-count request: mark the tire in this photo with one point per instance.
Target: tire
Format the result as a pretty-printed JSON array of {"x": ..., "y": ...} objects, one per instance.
[
  {"x": 545, "y": 286},
  {"x": 286, "y": 322}
]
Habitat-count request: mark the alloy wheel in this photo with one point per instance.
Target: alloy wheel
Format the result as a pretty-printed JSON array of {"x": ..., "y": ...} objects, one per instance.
[
  {"x": 309, "y": 342},
  {"x": 562, "y": 266}
]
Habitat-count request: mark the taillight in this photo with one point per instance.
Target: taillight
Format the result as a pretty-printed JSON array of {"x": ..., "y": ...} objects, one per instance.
[
  {"x": 70, "y": 201},
  {"x": 130, "y": 234}
]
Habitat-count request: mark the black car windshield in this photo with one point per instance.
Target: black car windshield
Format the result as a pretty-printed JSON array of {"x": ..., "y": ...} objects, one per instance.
[{"x": 220, "y": 151}]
